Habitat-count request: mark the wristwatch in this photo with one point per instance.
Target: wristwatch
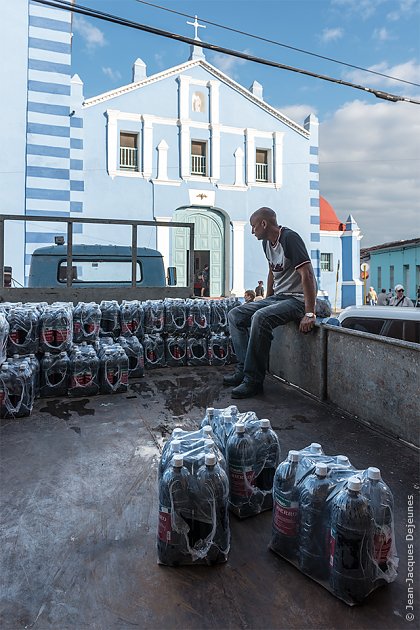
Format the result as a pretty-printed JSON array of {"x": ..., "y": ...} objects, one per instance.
[{"x": 311, "y": 315}]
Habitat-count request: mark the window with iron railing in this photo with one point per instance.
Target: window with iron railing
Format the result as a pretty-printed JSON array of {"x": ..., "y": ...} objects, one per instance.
[
  {"x": 128, "y": 151},
  {"x": 198, "y": 158},
  {"x": 327, "y": 262},
  {"x": 261, "y": 166}
]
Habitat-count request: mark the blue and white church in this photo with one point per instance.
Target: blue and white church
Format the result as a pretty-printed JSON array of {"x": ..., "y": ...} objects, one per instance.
[{"x": 188, "y": 144}]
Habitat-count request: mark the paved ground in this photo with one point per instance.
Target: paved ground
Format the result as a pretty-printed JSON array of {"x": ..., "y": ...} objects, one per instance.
[{"x": 79, "y": 516}]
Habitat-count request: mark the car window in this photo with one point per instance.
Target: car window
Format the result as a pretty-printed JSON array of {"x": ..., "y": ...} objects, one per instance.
[
  {"x": 405, "y": 330},
  {"x": 364, "y": 324}
]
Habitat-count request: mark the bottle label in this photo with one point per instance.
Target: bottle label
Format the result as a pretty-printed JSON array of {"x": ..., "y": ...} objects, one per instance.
[
  {"x": 285, "y": 517},
  {"x": 241, "y": 481},
  {"x": 382, "y": 544},
  {"x": 165, "y": 525}
]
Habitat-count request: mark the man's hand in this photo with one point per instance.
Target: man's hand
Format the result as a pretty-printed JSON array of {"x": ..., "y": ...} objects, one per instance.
[{"x": 306, "y": 324}]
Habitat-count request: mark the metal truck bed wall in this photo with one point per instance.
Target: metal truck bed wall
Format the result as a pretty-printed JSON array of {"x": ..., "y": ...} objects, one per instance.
[
  {"x": 79, "y": 516},
  {"x": 371, "y": 377}
]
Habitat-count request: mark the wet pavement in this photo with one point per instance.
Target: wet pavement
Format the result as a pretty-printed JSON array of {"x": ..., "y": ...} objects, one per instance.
[{"x": 79, "y": 516}]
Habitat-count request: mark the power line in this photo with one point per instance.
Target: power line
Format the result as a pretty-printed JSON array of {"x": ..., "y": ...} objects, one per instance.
[
  {"x": 271, "y": 41},
  {"x": 62, "y": 4}
]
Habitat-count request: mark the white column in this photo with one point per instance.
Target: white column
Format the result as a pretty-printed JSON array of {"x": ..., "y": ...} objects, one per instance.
[
  {"x": 215, "y": 152},
  {"x": 184, "y": 97},
  {"x": 147, "y": 146},
  {"x": 112, "y": 141},
  {"x": 238, "y": 288},
  {"x": 214, "y": 102},
  {"x": 185, "y": 150},
  {"x": 278, "y": 159},
  {"x": 239, "y": 167},
  {"x": 250, "y": 156},
  {"x": 163, "y": 240},
  {"x": 162, "y": 160}
]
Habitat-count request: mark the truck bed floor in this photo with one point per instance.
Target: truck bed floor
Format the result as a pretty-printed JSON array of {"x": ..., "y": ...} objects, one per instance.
[{"x": 79, "y": 516}]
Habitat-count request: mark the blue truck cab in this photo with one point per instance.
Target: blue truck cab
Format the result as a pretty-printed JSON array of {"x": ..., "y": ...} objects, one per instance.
[{"x": 96, "y": 266}]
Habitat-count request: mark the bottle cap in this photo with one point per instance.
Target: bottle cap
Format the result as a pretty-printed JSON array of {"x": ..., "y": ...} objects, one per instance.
[
  {"x": 354, "y": 483},
  {"x": 374, "y": 473},
  {"x": 177, "y": 431},
  {"x": 208, "y": 443},
  {"x": 178, "y": 460},
  {"x": 293, "y": 456},
  {"x": 210, "y": 459},
  {"x": 265, "y": 423},
  {"x": 234, "y": 410},
  {"x": 239, "y": 427},
  {"x": 207, "y": 430},
  {"x": 342, "y": 459},
  {"x": 176, "y": 446},
  {"x": 210, "y": 411},
  {"x": 321, "y": 470},
  {"x": 315, "y": 447}
]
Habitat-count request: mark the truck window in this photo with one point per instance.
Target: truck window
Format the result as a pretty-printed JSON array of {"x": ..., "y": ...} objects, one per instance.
[
  {"x": 364, "y": 324},
  {"x": 406, "y": 330},
  {"x": 94, "y": 271}
]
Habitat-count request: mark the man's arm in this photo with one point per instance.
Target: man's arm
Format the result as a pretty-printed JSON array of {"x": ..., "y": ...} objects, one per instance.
[
  {"x": 307, "y": 276},
  {"x": 270, "y": 283}
]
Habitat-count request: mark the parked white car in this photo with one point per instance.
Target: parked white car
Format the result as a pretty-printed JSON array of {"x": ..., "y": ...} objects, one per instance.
[{"x": 389, "y": 321}]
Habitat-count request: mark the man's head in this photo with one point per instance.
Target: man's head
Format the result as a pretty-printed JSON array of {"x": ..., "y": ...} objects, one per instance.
[
  {"x": 399, "y": 289},
  {"x": 264, "y": 224},
  {"x": 260, "y": 282}
]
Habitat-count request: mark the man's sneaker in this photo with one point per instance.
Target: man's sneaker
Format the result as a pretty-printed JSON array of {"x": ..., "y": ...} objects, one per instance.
[
  {"x": 231, "y": 380},
  {"x": 247, "y": 390}
]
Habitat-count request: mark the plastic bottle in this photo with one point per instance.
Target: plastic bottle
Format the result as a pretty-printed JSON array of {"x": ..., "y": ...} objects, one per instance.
[
  {"x": 172, "y": 447},
  {"x": 23, "y": 335},
  {"x": 284, "y": 539},
  {"x": 197, "y": 351},
  {"x": 211, "y": 513},
  {"x": 382, "y": 504},
  {"x": 218, "y": 349},
  {"x": 314, "y": 552},
  {"x": 174, "y": 512},
  {"x": 240, "y": 459},
  {"x": 55, "y": 372},
  {"x": 267, "y": 456},
  {"x": 77, "y": 374},
  {"x": 351, "y": 544},
  {"x": 110, "y": 319}
]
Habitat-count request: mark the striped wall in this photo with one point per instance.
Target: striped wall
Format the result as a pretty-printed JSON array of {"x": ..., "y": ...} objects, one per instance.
[
  {"x": 311, "y": 124},
  {"x": 54, "y": 159}
]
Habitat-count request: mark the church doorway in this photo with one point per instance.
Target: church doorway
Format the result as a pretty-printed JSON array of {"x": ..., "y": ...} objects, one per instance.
[{"x": 209, "y": 246}]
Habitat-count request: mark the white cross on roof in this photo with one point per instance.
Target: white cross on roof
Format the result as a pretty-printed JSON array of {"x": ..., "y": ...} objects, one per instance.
[{"x": 196, "y": 27}]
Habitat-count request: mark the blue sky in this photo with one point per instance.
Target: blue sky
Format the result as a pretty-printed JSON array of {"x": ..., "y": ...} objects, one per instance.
[{"x": 369, "y": 148}]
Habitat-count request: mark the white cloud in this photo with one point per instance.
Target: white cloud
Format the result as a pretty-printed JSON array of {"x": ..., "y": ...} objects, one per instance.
[
  {"x": 382, "y": 34},
  {"x": 114, "y": 75},
  {"x": 369, "y": 167},
  {"x": 362, "y": 8},
  {"x": 91, "y": 35},
  {"x": 331, "y": 35},
  {"x": 408, "y": 71},
  {"x": 228, "y": 64},
  {"x": 297, "y": 113},
  {"x": 404, "y": 9}
]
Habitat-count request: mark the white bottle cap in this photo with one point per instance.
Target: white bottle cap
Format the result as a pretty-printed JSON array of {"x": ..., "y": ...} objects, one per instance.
[
  {"x": 177, "y": 431},
  {"x": 234, "y": 410},
  {"x": 315, "y": 447},
  {"x": 293, "y": 456},
  {"x": 342, "y": 459},
  {"x": 354, "y": 483},
  {"x": 178, "y": 460},
  {"x": 210, "y": 459},
  {"x": 176, "y": 446},
  {"x": 207, "y": 430},
  {"x": 208, "y": 443},
  {"x": 265, "y": 423},
  {"x": 321, "y": 470},
  {"x": 239, "y": 427},
  {"x": 374, "y": 473},
  {"x": 210, "y": 411}
]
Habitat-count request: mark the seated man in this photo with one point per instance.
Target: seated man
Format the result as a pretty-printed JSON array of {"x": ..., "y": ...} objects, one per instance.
[{"x": 291, "y": 296}]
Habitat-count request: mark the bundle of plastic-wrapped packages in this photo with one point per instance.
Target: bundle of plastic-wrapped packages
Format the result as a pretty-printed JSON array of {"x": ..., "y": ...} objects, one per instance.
[
  {"x": 17, "y": 387},
  {"x": 252, "y": 452},
  {"x": 132, "y": 319},
  {"x": 335, "y": 523},
  {"x": 4, "y": 335},
  {"x": 193, "y": 523},
  {"x": 23, "y": 335},
  {"x": 110, "y": 319},
  {"x": 56, "y": 328},
  {"x": 86, "y": 322}
]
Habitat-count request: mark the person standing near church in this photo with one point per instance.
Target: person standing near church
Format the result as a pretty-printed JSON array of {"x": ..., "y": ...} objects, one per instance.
[
  {"x": 206, "y": 280},
  {"x": 259, "y": 290},
  {"x": 291, "y": 296}
]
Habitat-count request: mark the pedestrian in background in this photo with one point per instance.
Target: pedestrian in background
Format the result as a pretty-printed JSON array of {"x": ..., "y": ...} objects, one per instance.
[
  {"x": 382, "y": 298},
  {"x": 249, "y": 295},
  {"x": 259, "y": 290},
  {"x": 400, "y": 299},
  {"x": 372, "y": 296}
]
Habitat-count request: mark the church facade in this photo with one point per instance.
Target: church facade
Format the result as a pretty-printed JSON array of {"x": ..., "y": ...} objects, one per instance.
[{"x": 188, "y": 144}]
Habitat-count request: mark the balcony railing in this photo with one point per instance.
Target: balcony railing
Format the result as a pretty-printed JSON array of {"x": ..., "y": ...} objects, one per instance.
[
  {"x": 198, "y": 165},
  {"x": 128, "y": 158},
  {"x": 261, "y": 172}
]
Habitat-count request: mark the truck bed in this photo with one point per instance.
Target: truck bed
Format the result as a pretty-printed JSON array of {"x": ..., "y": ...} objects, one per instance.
[{"x": 79, "y": 515}]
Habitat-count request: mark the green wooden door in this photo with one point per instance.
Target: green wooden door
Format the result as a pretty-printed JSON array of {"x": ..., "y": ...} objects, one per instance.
[{"x": 208, "y": 236}]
